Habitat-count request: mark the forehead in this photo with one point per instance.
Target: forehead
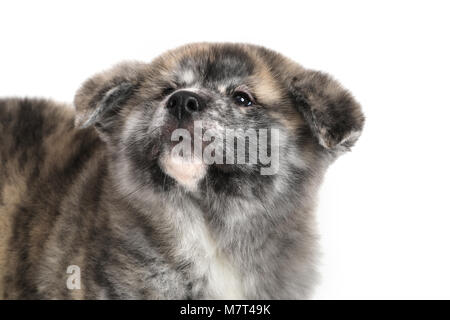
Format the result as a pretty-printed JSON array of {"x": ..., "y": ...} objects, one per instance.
[
  {"x": 221, "y": 66},
  {"x": 217, "y": 64}
]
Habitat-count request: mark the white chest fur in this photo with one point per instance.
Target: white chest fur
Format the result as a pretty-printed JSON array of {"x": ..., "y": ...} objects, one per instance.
[{"x": 223, "y": 279}]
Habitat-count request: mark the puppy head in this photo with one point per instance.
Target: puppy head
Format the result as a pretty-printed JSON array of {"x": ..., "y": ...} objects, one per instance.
[{"x": 223, "y": 118}]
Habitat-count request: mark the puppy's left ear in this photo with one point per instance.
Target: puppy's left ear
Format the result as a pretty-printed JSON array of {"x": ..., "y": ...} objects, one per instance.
[
  {"x": 99, "y": 100},
  {"x": 333, "y": 115}
]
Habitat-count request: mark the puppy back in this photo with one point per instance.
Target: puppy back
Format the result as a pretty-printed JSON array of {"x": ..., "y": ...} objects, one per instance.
[{"x": 40, "y": 153}]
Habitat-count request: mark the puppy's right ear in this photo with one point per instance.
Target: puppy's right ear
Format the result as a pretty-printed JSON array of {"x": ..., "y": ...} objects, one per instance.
[
  {"x": 334, "y": 116},
  {"x": 100, "y": 98}
]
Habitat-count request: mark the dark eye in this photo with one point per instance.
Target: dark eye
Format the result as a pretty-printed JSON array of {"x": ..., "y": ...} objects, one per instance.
[{"x": 243, "y": 99}]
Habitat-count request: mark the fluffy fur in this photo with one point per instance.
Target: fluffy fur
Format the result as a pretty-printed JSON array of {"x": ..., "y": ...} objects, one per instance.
[{"x": 96, "y": 187}]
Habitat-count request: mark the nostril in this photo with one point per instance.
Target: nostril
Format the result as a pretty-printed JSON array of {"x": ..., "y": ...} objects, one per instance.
[
  {"x": 192, "y": 104},
  {"x": 173, "y": 101}
]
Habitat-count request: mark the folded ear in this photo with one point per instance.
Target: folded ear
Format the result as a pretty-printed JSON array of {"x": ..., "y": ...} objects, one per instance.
[
  {"x": 333, "y": 115},
  {"x": 100, "y": 98}
]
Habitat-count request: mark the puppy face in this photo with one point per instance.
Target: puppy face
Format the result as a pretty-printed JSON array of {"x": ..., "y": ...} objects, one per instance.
[{"x": 227, "y": 119}]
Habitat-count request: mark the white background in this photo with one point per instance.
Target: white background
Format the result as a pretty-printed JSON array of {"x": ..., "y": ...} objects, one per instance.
[{"x": 384, "y": 212}]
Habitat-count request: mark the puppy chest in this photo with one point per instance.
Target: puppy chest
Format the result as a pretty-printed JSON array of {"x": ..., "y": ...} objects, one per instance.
[{"x": 221, "y": 279}]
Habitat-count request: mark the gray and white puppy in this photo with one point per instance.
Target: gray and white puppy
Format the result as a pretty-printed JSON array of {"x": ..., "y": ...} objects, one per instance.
[{"x": 98, "y": 187}]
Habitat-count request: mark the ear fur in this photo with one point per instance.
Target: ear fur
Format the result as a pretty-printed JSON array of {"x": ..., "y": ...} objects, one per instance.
[
  {"x": 101, "y": 97},
  {"x": 332, "y": 113}
]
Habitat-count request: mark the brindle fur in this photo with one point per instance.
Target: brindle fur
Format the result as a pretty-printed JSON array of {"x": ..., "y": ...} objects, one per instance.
[{"x": 85, "y": 187}]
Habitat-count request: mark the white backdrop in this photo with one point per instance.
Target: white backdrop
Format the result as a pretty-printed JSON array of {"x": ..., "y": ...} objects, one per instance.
[{"x": 384, "y": 212}]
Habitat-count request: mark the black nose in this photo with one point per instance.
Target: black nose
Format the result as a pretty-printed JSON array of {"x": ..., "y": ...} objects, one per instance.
[{"x": 183, "y": 103}]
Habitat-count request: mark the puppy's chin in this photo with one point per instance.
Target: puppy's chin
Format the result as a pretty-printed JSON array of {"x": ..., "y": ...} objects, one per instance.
[{"x": 186, "y": 171}]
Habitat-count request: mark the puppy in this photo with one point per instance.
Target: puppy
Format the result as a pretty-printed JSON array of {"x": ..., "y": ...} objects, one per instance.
[{"x": 190, "y": 177}]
